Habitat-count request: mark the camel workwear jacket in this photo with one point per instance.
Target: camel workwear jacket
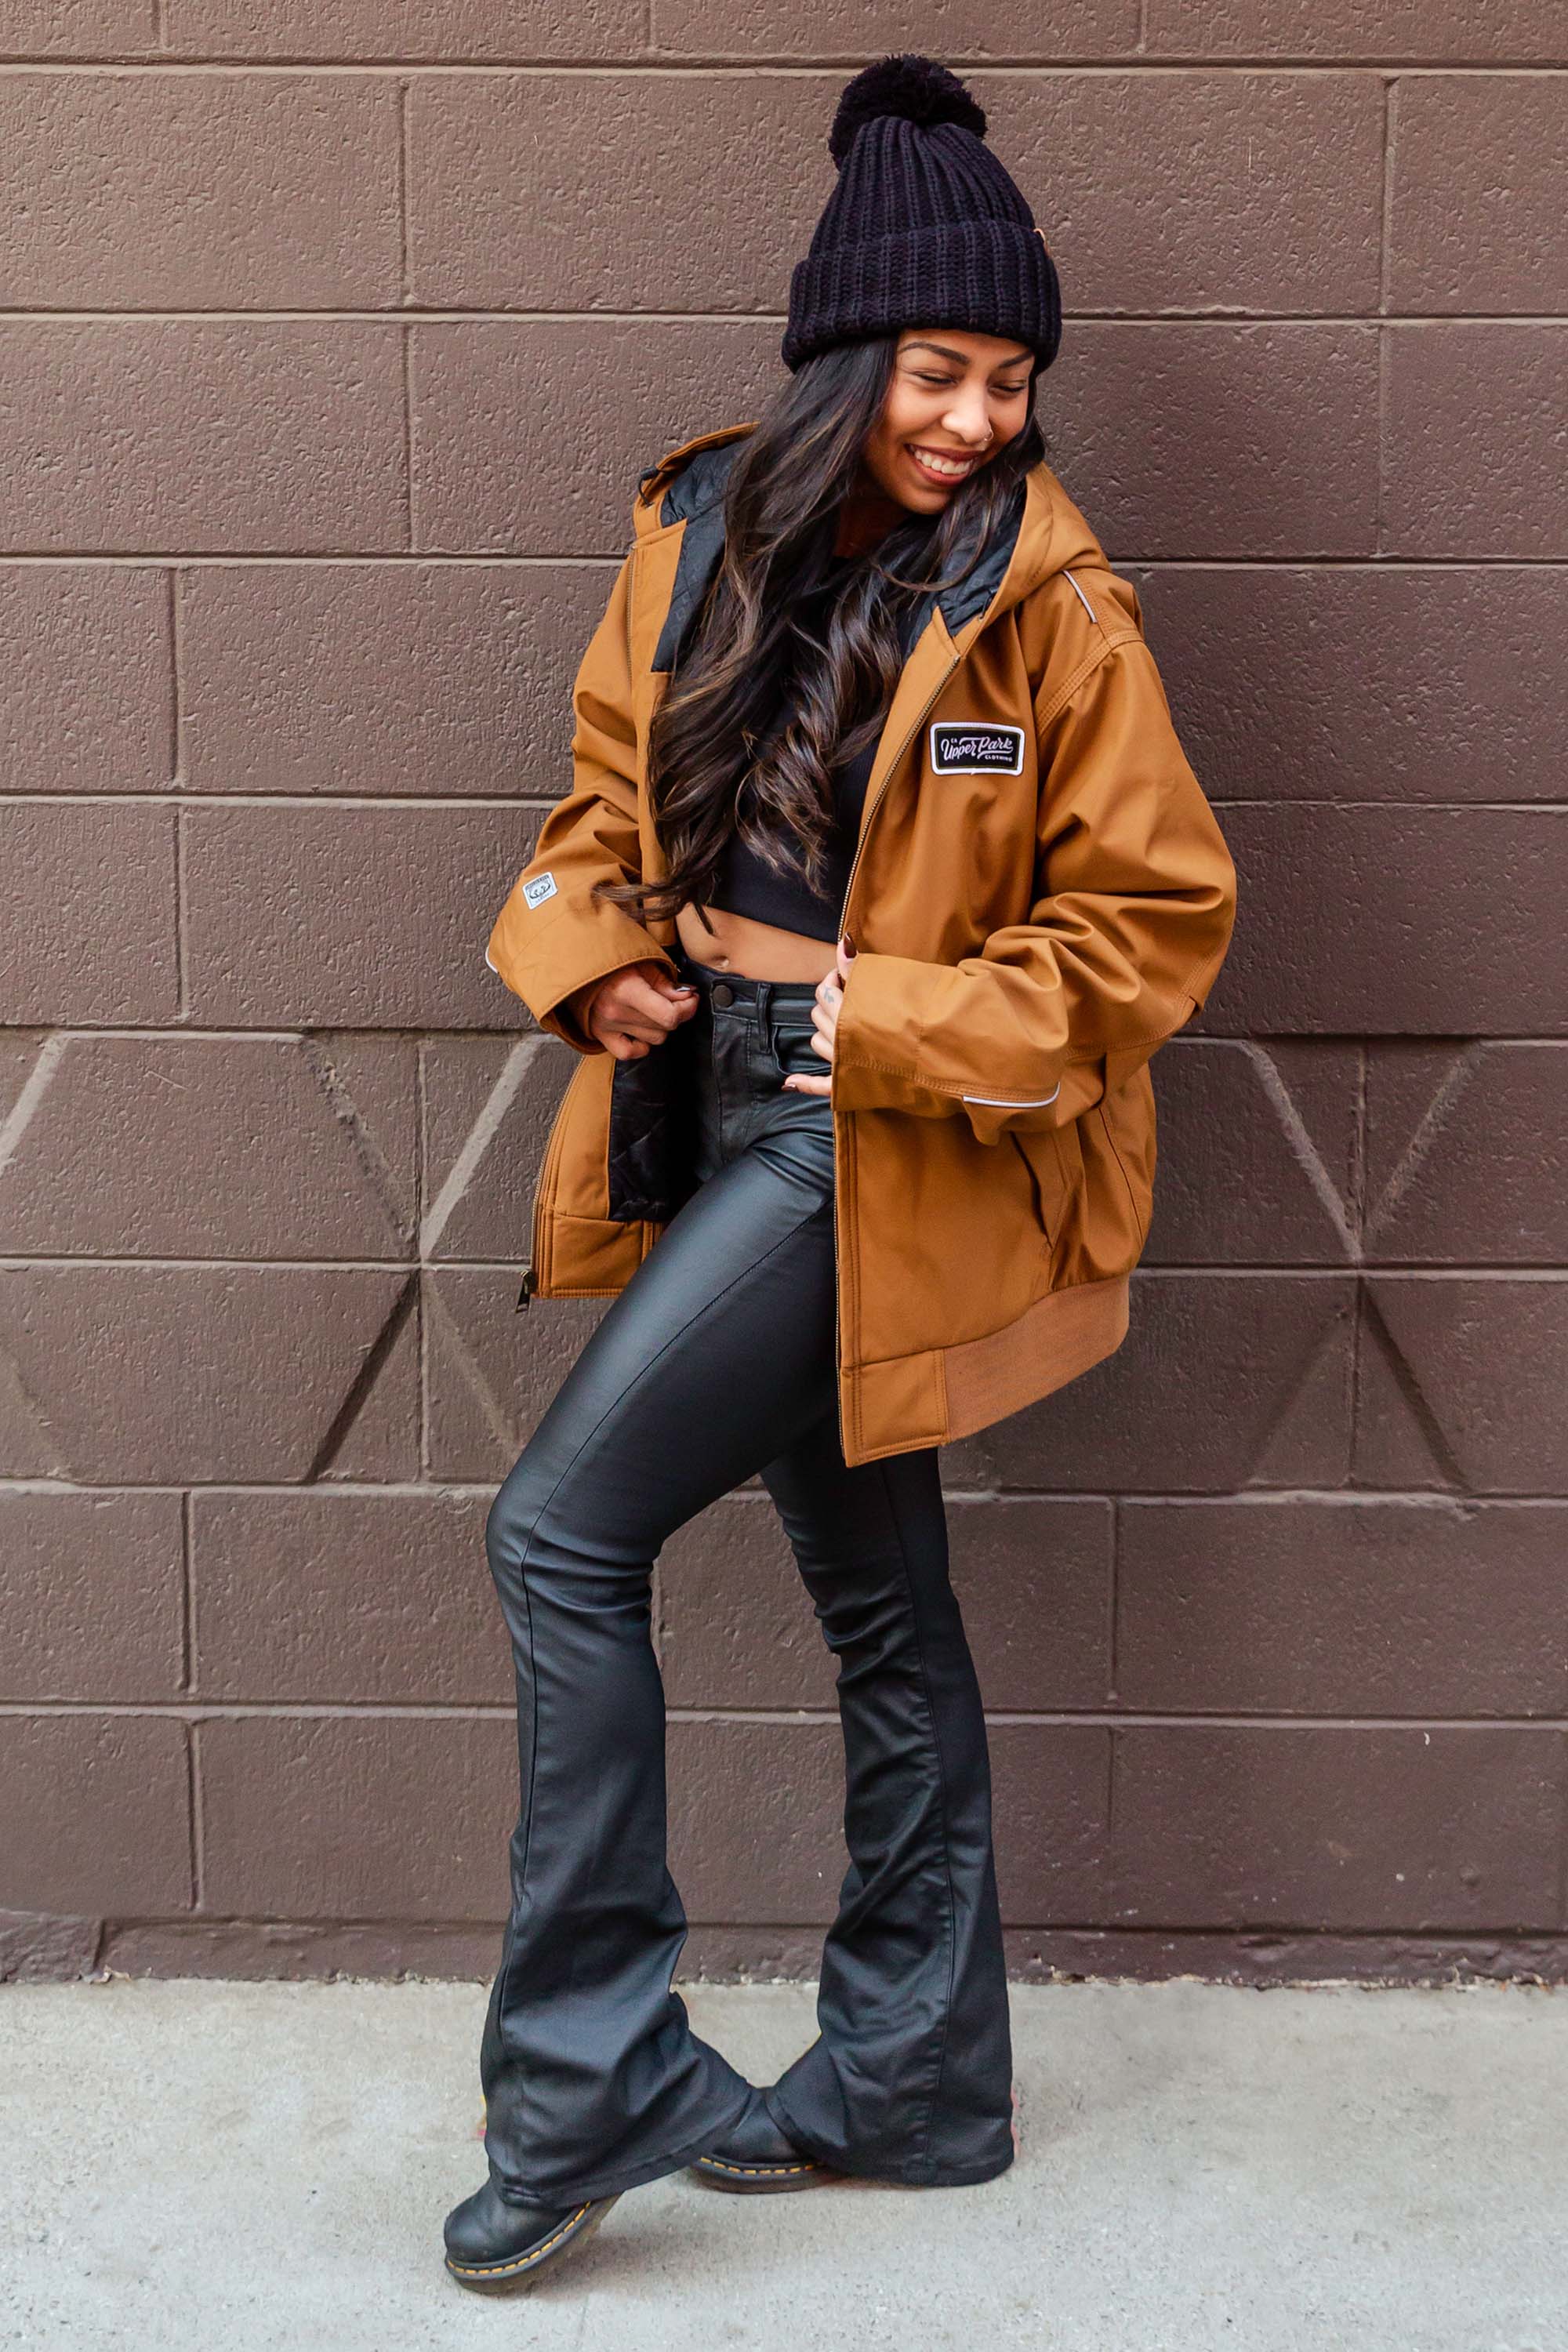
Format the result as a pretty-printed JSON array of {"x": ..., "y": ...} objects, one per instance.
[{"x": 1039, "y": 898}]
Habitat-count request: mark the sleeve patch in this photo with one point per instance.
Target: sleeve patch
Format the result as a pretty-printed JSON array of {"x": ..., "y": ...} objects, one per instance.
[{"x": 543, "y": 887}]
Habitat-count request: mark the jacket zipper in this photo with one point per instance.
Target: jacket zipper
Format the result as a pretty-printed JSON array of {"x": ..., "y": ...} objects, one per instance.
[{"x": 914, "y": 728}]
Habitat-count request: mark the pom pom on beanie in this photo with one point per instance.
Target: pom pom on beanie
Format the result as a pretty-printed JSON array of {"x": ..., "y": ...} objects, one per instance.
[{"x": 916, "y": 88}]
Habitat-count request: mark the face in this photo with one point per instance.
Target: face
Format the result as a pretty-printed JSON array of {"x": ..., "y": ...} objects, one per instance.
[{"x": 954, "y": 400}]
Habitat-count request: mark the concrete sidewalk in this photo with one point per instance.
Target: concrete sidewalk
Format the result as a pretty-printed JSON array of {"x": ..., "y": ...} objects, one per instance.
[{"x": 266, "y": 2166}]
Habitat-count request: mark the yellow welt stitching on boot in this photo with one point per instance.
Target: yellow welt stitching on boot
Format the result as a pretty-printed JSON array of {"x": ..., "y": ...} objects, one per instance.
[
  {"x": 534, "y": 2254},
  {"x": 717, "y": 2164}
]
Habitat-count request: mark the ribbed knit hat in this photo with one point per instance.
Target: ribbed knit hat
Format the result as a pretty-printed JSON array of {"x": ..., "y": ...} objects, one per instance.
[{"x": 924, "y": 226}]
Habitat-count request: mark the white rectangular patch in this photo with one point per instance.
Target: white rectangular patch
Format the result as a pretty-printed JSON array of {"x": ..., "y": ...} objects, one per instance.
[
  {"x": 543, "y": 887},
  {"x": 965, "y": 748}
]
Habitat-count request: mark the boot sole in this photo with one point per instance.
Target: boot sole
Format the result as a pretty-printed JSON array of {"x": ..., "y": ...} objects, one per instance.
[
  {"x": 761, "y": 2179},
  {"x": 523, "y": 2270}
]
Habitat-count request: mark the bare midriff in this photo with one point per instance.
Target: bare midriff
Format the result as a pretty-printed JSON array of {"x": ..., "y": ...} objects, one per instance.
[{"x": 739, "y": 943}]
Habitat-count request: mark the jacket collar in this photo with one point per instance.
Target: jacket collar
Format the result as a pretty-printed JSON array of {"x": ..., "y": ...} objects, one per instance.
[{"x": 1044, "y": 532}]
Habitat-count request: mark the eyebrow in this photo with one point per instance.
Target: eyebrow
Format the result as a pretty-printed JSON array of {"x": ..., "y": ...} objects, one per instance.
[{"x": 922, "y": 343}]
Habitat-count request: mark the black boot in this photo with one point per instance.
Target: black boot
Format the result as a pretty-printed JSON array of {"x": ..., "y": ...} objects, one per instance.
[
  {"x": 755, "y": 2157},
  {"x": 494, "y": 2247}
]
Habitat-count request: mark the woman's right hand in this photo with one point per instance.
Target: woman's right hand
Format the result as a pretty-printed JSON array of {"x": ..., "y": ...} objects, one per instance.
[{"x": 631, "y": 1011}]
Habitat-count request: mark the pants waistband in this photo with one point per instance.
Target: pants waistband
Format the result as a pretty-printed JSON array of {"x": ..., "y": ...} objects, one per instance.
[{"x": 724, "y": 990}]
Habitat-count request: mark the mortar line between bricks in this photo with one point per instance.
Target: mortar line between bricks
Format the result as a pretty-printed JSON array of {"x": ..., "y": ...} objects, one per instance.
[
  {"x": 1353, "y": 1389},
  {"x": 1246, "y": 1934},
  {"x": 1229, "y": 1932},
  {"x": 716, "y": 66},
  {"x": 197, "y": 1826},
  {"x": 420, "y": 558},
  {"x": 196, "y": 1713},
  {"x": 1451, "y": 807},
  {"x": 1112, "y": 1587},
  {"x": 1385, "y": 268},
  {"x": 187, "y": 1608},
  {"x": 1393, "y": 564},
  {"x": 1380, "y": 495},
  {"x": 406, "y": 354},
  {"x": 434, "y": 1489},
  {"x": 163, "y": 796},
  {"x": 198, "y": 1031},
  {"x": 1360, "y": 1206},
  {"x": 1357, "y": 1313},
  {"x": 403, "y": 288},
  {"x": 181, "y": 962},
  {"x": 176, "y": 658},
  {"x": 405, "y": 378},
  {"x": 1339, "y": 1270},
  {"x": 421, "y": 1190},
  {"x": 1347, "y": 806},
  {"x": 1385, "y": 250},
  {"x": 498, "y": 559},
  {"x": 481, "y": 314}
]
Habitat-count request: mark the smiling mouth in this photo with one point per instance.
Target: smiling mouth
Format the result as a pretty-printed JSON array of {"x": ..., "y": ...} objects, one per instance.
[{"x": 943, "y": 465}]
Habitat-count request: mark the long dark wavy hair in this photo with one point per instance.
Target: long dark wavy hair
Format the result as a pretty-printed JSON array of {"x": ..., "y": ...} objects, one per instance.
[{"x": 771, "y": 697}]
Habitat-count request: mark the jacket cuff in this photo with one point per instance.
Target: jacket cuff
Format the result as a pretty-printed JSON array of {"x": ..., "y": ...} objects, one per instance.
[
  {"x": 888, "y": 1004},
  {"x": 548, "y": 963},
  {"x": 873, "y": 1040}
]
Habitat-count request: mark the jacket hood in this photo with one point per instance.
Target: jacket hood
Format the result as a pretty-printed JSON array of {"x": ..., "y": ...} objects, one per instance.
[{"x": 1045, "y": 534}]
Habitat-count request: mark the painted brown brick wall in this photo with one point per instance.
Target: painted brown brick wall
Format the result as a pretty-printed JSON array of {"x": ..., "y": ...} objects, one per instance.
[{"x": 333, "y": 335}]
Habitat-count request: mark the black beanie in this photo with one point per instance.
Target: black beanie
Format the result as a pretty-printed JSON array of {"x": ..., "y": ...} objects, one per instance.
[{"x": 924, "y": 226}]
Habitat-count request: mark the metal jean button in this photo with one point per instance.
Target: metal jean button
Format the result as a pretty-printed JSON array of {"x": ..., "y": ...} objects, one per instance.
[{"x": 723, "y": 994}]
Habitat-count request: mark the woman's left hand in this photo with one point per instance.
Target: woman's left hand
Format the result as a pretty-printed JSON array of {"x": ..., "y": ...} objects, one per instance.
[{"x": 825, "y": 1020}]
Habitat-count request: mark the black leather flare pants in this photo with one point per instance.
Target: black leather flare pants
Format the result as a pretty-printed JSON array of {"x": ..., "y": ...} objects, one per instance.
[{"x": 715, "y": 1364}]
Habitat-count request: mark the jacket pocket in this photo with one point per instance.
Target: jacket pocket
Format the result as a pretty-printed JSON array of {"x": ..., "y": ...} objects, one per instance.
[
  {"x": 1054, "y": 1158},
  {"x": 1126, "y": 1116}
]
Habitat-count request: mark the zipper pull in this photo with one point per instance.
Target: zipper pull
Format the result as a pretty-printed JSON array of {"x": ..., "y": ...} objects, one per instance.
[{"x": 529, "y": 1285}]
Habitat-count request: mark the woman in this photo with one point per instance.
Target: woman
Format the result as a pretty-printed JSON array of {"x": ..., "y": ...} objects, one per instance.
[{"x": 881, "y": 878}]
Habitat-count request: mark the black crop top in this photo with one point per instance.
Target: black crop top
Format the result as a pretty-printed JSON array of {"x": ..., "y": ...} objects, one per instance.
[{"x": 744, "y": 885}]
